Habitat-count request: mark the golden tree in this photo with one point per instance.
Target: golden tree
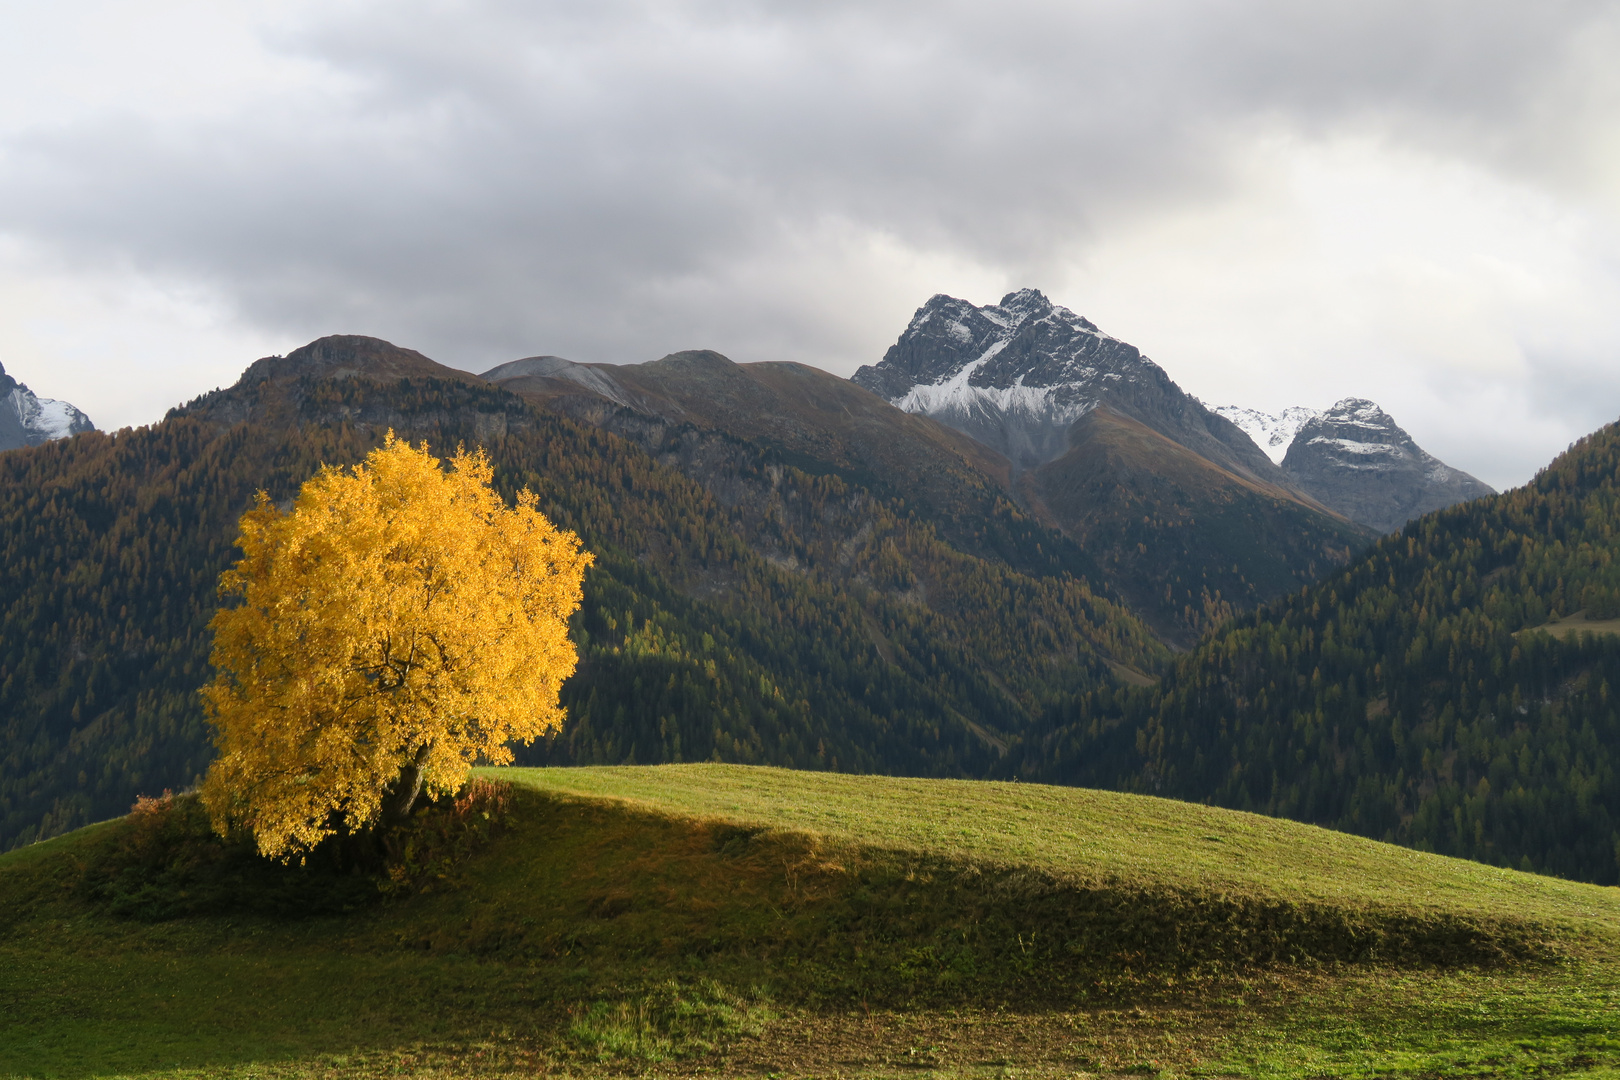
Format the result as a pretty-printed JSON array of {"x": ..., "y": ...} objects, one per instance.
[{"x": 399, "y": 624}]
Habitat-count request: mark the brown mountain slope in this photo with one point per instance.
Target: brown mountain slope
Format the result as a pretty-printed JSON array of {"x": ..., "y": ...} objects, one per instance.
[
  {"x": 798, "y": 409},
  {"x": 274, "y": 389},
  {"x": 342, "y": 356},
  {"x": 1184, "y": 540},
  {"x": 811, "y": 420}
]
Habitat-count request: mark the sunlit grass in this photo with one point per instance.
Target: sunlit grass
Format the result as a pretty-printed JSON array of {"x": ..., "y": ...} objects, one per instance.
[
  {"x": 1092, "y": 836},
  {"x": 729, "y": 921}
]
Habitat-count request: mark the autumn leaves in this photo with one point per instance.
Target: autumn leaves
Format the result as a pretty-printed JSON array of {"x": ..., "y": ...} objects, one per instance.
[{"x": 398, "y": 624}]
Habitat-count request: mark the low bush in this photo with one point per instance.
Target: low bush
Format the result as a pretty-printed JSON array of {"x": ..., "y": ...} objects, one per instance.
[
  {"x": 426, "y": 852},
  {"x": 164, "y": 861}
]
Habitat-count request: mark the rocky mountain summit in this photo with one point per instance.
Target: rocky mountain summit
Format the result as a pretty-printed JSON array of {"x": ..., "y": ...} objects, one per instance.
[
  {"x": 1355, "y": 459},
  {"x": 1189, "y": 519},
  {"x": 26, "y": 419},
  {"x": 1017, "y": 376}
]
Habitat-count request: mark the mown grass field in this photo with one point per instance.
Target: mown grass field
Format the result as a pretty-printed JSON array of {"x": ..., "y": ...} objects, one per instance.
[{"x": 695, "y": 920}]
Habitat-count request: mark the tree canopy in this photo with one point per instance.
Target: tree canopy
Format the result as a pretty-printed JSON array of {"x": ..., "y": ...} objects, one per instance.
[{"x": 398, "y": 624}]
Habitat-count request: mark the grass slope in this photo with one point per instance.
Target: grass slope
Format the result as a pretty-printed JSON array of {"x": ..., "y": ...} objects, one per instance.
[
  {"x": 723, "y": 920},
  {"x": 1096, "y": 837},
  {"x": 1574, "y": 626}
]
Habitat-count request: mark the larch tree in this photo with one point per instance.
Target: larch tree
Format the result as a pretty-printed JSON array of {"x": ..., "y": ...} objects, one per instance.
[{"x": 400, "y": 623}]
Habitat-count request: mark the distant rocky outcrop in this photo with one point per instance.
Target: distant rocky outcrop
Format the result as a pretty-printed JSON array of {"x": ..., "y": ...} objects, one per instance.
[
  {"x": 1356, "y": 460},
  {"x": 553, "y": 373},
  {"x": 1017, "y": 376},
  {"x": 26, "y": 419}
]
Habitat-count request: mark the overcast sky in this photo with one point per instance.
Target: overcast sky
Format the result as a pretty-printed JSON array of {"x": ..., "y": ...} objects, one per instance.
[{"x": 1281, "y": 202}]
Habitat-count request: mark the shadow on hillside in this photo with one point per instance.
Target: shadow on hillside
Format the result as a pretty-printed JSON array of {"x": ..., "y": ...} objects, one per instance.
[{"x": 582, "y": 902}]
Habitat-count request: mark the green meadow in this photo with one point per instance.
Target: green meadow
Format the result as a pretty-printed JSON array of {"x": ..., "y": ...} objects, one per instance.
[{"x": 735, "y": 921}]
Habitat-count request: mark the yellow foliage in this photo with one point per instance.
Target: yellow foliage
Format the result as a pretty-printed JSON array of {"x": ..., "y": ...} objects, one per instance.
[{"x": 399, "y": 624}]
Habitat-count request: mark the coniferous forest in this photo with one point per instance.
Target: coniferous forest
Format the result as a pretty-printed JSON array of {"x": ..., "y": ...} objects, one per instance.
[{"x": 1409, "y": 697}]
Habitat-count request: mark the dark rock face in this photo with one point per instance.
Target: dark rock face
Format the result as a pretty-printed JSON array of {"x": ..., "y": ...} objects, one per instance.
[
  {"x": 1018, "y": 374},
  {"x": 29, "y": 420},
  {"x": 1355, "y": 459},
  {"x": 341, "y": 356}
]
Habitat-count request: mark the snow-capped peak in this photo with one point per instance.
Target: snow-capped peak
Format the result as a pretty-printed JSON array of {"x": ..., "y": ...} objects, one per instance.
[
  {"x": 1349, "y": 417},
  {"x": 1018, "y": 374},
  {"x": 1272, "y": 432},
  {"x": 26, "y": 419},
  {"x": 1360, "y": 413}
]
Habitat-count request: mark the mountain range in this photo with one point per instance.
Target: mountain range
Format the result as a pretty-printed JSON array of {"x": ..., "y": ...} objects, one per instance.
[
  {"x": 1022, "y": 376},
  {"x": 793, "y": 569},
  {"x": 796, "y": 601},
  {"x": 1168, "y": 505},
  {"x": 26, "y": 419}
]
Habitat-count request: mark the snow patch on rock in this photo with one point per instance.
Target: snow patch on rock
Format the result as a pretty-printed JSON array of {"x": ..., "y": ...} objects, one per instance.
[
  {"x": 1272, "y": 432},
  {"x": 26, "y": 419}
]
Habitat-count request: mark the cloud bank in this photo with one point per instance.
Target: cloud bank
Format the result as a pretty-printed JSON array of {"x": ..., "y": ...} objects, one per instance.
[{"x": 1281, "y": 203}]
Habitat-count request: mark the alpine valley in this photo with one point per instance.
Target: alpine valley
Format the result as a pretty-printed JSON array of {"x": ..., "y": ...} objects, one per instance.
[{"x": 1012, "y": 547}]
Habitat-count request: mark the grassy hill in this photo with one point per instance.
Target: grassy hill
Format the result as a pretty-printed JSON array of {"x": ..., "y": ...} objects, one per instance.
[
  {"x": 1438, "y": 692},
  {"x": 712, "y": 919},
  {"x": 1099, "y": 839}
]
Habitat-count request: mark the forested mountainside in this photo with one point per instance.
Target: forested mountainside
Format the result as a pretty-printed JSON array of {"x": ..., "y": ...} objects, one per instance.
[
  {"x": 1416, "y": 696},
  {"x": 1183, "y": 540},
  {"x": 1186, "y": 542},
  {"x": 799, "y": 620},
  {"x": 814, "y": 421}
]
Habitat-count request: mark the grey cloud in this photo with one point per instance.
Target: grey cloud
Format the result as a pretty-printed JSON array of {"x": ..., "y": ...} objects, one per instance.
[{"x": 497, "y": 178}]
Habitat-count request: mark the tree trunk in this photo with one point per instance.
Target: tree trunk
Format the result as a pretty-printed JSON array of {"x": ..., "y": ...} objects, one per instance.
[{"x": 402, "y": 795}]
